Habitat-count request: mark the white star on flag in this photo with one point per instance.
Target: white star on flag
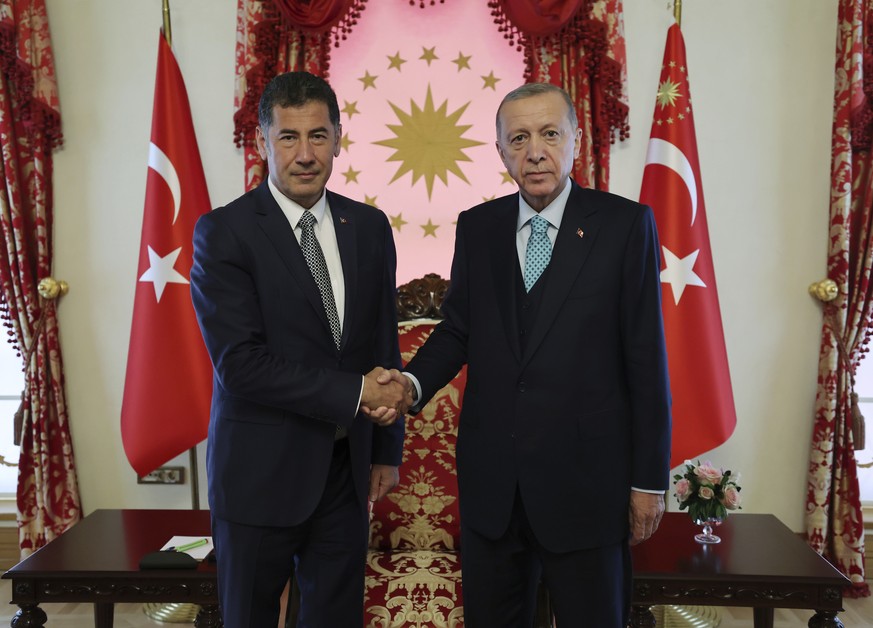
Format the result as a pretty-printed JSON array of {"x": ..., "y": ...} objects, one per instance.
[
  {"x": 161, "y": 271},
  {"x": 680, "y": 273}
]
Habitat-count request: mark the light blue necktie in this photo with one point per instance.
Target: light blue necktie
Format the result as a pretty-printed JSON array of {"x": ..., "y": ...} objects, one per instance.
[{"x": 539, "y": 251}]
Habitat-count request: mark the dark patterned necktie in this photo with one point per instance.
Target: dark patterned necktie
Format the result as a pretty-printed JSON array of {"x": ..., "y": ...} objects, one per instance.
[
  {"x": 539, "y": 251},
  {"x": 317, "y": 266}
]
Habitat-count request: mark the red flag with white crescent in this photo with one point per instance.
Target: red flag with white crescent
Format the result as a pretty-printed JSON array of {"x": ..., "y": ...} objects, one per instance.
[
  {"x": 168, "y": 384},
  {"x": 703, "y": 405}
]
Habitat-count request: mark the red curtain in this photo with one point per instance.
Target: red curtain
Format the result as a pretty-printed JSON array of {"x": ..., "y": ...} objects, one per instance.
[
  {"x": 577, "y": 44},
  {"x": 48, "y": 496},
  {"x": 834, "y": 521}
]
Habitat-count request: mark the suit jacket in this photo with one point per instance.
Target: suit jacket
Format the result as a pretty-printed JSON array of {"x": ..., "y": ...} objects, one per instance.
[
  {"x": 281, "y": 387},
  {"x": 583, "y": 413}
]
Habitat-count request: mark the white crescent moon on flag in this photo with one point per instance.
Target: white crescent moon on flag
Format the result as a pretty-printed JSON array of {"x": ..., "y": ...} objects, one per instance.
[
  {"x": 160, "y": 163},
  {"x": 664, "y": 153}
]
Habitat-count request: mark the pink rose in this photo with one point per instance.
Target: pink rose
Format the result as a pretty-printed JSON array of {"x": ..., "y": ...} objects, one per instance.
[
  {"x": 683, "y": 489},
  {"x": 706, "y": 493},
  {"x": 707, "y": 473},
  {"x": 731, "y": 499}
]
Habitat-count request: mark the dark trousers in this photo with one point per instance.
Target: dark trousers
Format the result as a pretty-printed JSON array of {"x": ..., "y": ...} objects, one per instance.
[
  {"x": 587, "y": 588},
  {"x": 327, "y": 553}
]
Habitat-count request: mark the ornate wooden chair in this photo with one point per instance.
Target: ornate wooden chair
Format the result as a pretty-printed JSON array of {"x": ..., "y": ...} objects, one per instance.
[{"x": 413, "y": 573}]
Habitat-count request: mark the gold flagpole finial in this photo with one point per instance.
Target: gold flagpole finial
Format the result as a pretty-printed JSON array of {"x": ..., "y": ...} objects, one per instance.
[
  {"x": 677, "y": 11},
  {"x": 168, "y": 31}
]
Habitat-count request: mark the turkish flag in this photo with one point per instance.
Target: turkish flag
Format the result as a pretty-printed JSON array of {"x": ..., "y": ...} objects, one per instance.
[
  {"x": 703, "y": 405},
  {"x": 168, "y": 384}
]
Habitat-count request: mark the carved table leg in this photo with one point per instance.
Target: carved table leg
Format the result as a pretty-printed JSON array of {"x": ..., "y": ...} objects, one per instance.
[
  {"x": 642, "y": 617},
  {"x": 208, "y": 617},
  {"x": 825, "y": 619},
  {"x": 29, "y": 616},
  {"x": 763, "y": 617},
  {"x": 104, "y": 614}
]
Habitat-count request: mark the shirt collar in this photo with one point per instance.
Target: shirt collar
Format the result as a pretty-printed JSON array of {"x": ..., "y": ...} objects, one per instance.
[
  {"x": 553, "y": 212},
  {"x": 292, "y": 210}
]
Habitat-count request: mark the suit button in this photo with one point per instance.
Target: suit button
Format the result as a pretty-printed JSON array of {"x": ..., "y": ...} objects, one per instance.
[
  {"x": 525, "y": 305},
  {"x": 521, "y": 386},
  {"x": 521, "y": 332}
]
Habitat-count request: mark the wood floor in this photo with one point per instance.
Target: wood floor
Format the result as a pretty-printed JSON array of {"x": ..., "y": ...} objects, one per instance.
[{"x": 858, "y": 614}]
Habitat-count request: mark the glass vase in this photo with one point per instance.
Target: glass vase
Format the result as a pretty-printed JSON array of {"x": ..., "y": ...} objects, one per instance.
[{"x": 706, "y": 536}]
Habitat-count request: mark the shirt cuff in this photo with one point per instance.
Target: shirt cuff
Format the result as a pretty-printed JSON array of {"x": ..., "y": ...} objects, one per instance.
[
  {"x": 646, "y": 490},
  {"x": 417, "y": 386}
]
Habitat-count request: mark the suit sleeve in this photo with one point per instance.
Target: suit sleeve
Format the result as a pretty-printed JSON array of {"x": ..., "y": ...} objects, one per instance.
[
  {"x": 445, "y": 351},
  {"x": 228, "y": 307},
  {"x": 388, "y": 441},
  {"x": 646, "y": 356}
]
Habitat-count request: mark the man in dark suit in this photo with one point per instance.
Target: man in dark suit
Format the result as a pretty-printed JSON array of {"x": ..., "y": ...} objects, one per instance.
[
  {"x": 294, "y": 291},
  {"x": 564, "y": 435}
]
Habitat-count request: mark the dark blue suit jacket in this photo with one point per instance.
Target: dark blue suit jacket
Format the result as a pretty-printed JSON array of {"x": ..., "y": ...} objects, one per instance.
[
  {"x": 281, "y": 387},
  {"x": 583, "y": 413}
]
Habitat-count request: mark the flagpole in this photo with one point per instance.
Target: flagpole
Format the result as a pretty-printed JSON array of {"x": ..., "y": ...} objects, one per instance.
[
  {"x": 677, "y": 11},
  {"x": 168, "y": 31}
]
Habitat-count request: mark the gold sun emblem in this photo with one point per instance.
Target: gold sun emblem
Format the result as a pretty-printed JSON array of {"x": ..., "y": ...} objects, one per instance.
[
  {"x": 668, "y": 93},
  {"x": 429, "y": 142}
]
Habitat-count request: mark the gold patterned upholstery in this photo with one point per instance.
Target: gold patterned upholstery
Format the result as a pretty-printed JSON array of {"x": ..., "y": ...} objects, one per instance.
[{"x": 413, "y": 576}]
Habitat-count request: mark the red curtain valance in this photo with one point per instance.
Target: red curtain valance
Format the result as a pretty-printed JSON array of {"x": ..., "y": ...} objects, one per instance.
[
  {"x": 540, "y": 18},
  {"x": 319, "y": 16}
]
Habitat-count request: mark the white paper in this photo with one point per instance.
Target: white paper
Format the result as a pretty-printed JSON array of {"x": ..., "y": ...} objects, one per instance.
[{"x": 198, "y": 553}]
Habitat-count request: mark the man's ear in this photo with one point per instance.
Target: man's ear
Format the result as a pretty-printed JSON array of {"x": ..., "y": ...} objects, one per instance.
[
  {"x": 500, "y": 151},
  {"x": 339, "y": 136},
  {"x": 261, "y": 141}
]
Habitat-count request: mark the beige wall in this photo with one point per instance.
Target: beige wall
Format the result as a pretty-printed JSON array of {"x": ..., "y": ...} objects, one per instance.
[{"x": 762, "y": 83}]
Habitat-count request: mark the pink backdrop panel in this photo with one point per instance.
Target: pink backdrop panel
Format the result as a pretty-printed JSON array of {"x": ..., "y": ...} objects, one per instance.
[{"x": 419, "y": 89}]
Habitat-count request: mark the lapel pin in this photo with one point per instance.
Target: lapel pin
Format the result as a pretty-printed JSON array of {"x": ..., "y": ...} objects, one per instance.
[
  {"x": 579, "y": 232},
  {"x": 343, "y": 220}
]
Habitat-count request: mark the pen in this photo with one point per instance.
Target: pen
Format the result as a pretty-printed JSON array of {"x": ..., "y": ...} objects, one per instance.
[{"x": 188, "y": 546}]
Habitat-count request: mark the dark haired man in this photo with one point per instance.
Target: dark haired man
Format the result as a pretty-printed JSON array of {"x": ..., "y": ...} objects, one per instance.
[{"x": 294, "y": 290}]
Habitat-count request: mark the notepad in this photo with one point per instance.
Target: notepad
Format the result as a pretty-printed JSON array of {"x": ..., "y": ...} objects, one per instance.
[{"x": 197, "y": 552}]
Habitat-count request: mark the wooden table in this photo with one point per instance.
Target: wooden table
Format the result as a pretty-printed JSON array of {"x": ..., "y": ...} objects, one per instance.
[
  {"x": 759, "y": 563},
  {"x": 97, "y": 561}
]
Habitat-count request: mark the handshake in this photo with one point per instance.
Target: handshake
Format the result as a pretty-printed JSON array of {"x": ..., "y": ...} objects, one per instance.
[{"x": 387, "y": 395}]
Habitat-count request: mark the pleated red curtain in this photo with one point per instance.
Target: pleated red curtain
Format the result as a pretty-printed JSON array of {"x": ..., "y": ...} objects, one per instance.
[
  {"x": 48, "y": 495},
  {"x": 834, "y": 520},
  {"x": 578, "y": 44}
]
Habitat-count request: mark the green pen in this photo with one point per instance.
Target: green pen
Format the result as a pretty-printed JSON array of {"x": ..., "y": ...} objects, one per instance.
[{"x": 188, "y": 546}]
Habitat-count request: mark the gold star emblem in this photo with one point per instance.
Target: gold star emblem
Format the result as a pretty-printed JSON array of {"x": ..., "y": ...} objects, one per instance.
[
  {"x": 368, "y": 80},
  {"x": 462, "y": 61},
  {"x": 370, "y": 200},
  {"x": 429, "y": 229},
  {"x": 396, "y": 62},
  {"x": 350, "y": 109},
  {"x": 669, "y": 120},
  {"x": 351, "y": 175},
  {"x": 397, "y": 222},
  {"x": 489, "y": 198},
  {"x": 428, "y": 54},
  {"x": 490, "y": 81},
  {"x": 345, "y": 142},
  {"x": 429, "y": 142},
  {"x": 506, "y": 178},
  {"x": 668, "y": 93}
]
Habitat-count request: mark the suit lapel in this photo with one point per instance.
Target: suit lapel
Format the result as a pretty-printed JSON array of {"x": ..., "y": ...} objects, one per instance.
[
  {"x": 347, "y": 241},
  {"x": 504, "y": 265},
  {"x": 279, "y": 232},
  {"x": 579, "y": 228}
]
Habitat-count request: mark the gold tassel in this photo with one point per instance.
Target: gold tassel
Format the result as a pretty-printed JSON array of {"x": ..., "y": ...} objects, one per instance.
[{"x": 858, "y": 427}]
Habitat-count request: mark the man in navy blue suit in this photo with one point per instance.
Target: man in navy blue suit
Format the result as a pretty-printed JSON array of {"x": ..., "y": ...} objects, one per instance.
[
  {"x": 294, "y": 289},
  {"x": 564, "y": 435}
]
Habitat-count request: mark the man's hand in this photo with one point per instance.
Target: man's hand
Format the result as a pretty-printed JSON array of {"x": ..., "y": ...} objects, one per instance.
[
  {"x": 387, "y": 395},
  {"x": 646, "y": 510},
  {"x": 382, "y": 479}
]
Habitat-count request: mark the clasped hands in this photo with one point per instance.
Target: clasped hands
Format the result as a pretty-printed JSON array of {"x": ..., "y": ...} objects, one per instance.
[{"x": 387, "y": 395}]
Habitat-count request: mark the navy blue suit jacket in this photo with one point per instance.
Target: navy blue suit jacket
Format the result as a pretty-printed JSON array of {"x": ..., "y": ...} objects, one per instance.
[
  {"x": 281, "y": 387},
  {"x": 583, "y": 413}
]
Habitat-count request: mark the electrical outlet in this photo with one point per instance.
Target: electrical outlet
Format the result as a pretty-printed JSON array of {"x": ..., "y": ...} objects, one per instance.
[{"x": 164, "y": 475}]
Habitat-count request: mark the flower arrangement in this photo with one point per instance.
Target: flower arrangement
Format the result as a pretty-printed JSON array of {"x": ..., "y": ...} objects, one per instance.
[{"x": 708, "y": 493}]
